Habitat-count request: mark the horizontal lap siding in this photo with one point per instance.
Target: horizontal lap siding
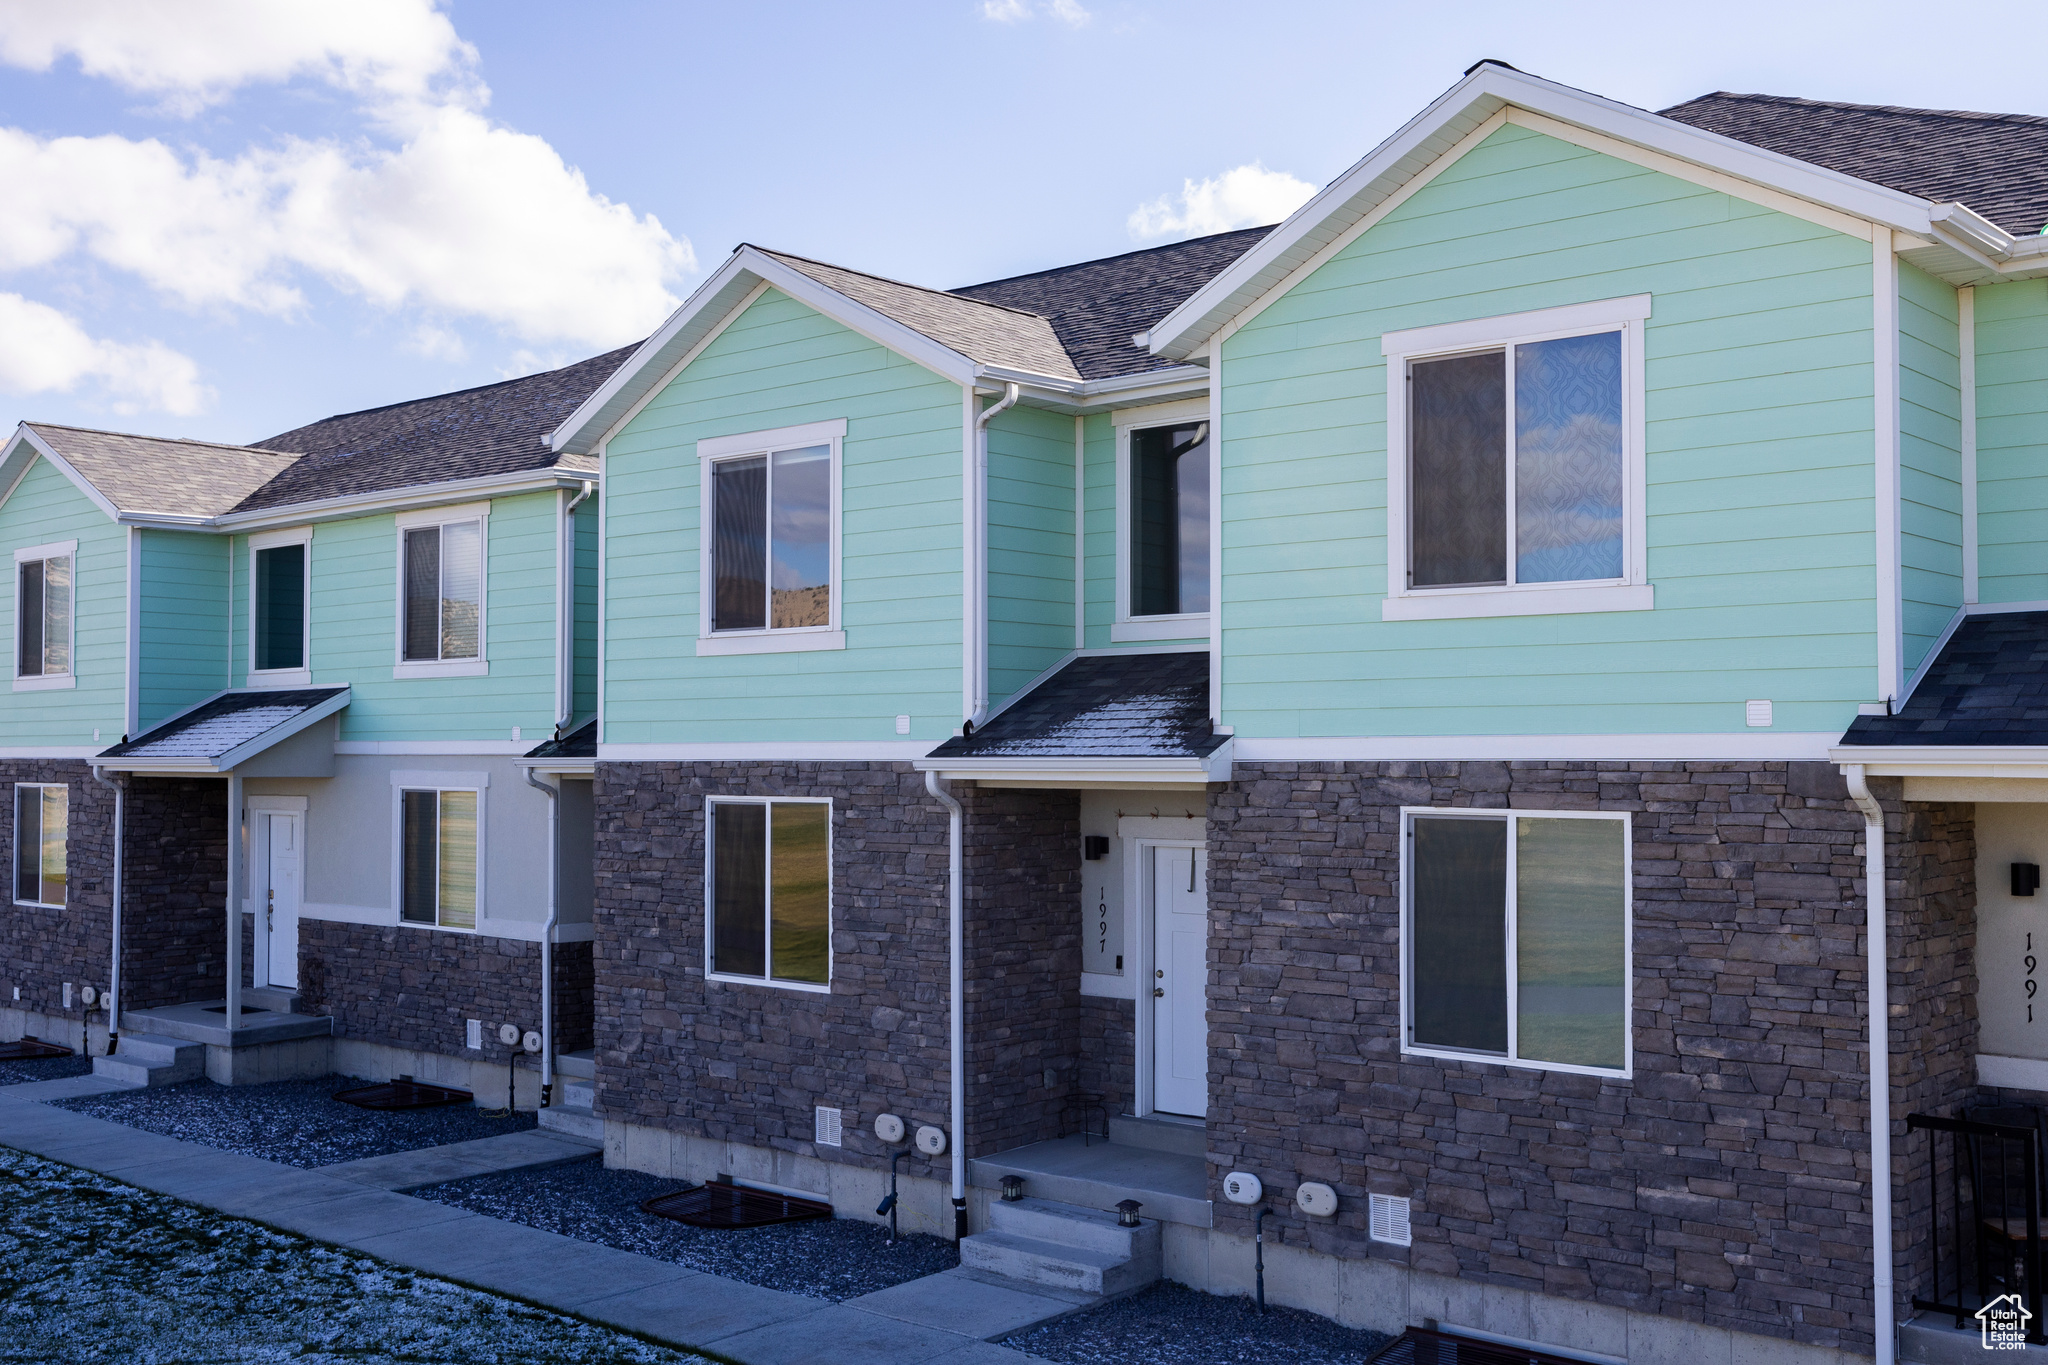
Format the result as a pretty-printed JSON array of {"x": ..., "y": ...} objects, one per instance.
[
  {"x": 355, "y": 630},
  {"x": 1759, "y": 420},
  {"x": 1030, "y": 546},
  {"x": 48, "y": 507},
  {"x": 184, "y": 621},
  {"x": 782, "y": 364},
  {"x": 2012, "y": 441},
  {"x": 1930, "y": 460}
]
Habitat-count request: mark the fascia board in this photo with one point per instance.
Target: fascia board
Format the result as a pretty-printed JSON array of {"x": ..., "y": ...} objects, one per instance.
[
  {"x": 567, "y": 767},
  {"x": 1954, "y": 760},
  {"x": 877, "y": 327},
  {"x": 1103, "y": 395},
  {"x": 388, "y": 500},
  {"x": 1214, "y": 768},
  {"x": 283, "y": 731},
  {"x": 1454, "y": 114},
  {"x": 19, "y": 457},
  {"x": 64, "y": 467}
]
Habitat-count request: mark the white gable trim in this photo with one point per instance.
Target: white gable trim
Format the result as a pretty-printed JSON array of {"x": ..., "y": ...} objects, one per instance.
[
  {"x": 1489, "y": 90},
  {"x": 23, "y": 434}
]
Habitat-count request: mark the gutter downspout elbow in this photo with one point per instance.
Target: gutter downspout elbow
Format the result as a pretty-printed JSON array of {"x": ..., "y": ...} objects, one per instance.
[
  {"x": 120, "y": 786},
  {"x": 977, "y": 553},
  {"x": 1874, "y": 934},
  {"x": 956, "y": 1008},
  {"x": 547, "y": 941}
]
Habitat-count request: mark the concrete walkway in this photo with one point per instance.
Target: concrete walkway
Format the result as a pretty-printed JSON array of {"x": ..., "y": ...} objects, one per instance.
[{"x": 940, "y": 1320}]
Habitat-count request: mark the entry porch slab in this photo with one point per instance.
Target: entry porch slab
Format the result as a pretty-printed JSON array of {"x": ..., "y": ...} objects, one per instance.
[{"x": 1173, "y": 1186}]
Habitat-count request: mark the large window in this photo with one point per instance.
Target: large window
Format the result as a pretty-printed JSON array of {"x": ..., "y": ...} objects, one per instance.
[
  {"x": 42, "y": 612},
  {"x": 1517, "y": 462},
  {"x": 770, "y": 540},
  {"x": 1169, "y": 535},
  {"x": 442, "y": 586},
  {"x": 42, "y": 820},
  {"x": 277, "y": 643},
  {"x": 1515, "y": 932},
  {"x": 770, "y": 891},
  {"x": 439, "y": 832}
]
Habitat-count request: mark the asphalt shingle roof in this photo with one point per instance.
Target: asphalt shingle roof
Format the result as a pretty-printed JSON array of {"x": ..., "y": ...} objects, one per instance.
[
  {"x": 1095, "y": 307},
  {"x": 1104, "y": 706},
  {"x": 227, "y": 722},
  {"x": 496, "y": 429},
  {"x": 1988, "y": 686},
  {"x": 161, "y": 475},
  {"x": 578, "y": 743},
  {"x": 1997, "y": 164}
]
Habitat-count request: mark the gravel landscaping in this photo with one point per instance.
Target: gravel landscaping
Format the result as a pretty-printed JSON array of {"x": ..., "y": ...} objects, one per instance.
[
  {"x": 835, "y": 1260},
  {"x": 95, "y": 1270},
  {"x": 1170, "y": 1324},
  {"x": 297, "y": 1123},
  {"x": 44, "y": 1069}
]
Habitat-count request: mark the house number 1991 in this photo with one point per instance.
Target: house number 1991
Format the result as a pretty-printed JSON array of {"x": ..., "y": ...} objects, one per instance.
[{"x": 2032, "y": 985}]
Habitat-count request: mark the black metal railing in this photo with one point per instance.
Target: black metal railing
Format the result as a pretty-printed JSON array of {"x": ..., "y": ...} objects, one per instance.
[{"x": 1984, "y": 1192}]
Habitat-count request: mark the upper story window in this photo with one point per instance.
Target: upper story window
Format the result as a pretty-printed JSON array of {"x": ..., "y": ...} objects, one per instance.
[
  {"x": 1163, "y": 523},
  {"x": 441, "y": 590},
  {"x": 769, "y": 907},
  {"x": 278, "y": 569},
  {"x": 43, "y": 615},
  {"x": 771, "y": 540},
  {"x": 42, "y": 821},
  {"x": 1515, "y": 937},
  {"x": 1517, "y": 463},
  {"x": 440, "y": 833}
]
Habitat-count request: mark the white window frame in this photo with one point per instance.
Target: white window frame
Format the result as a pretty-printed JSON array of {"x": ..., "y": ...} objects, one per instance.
[
  {"x": 480, "y": 666},
  {"x": 44, "y": 682},
  {"x": 13, "y": 885},
  {"x": 1632, "y": 591},
  {"x": 1125, "y": 628},
  {"x": 432, "y": 780},
  {"x": 768, "y": 947},
  {"x": 1628, "y": 996},
  {"x": 303, "y": 675},
  {"x": 769, "y": 639}
]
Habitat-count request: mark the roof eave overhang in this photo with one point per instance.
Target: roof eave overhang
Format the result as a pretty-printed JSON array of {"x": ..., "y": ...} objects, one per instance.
[
  {"x": 25, "y": 434},
  {"x": 567, "y": 767},
  {"x": 1191, "y": 771},
  {"x": 222, "y": 764},
  {"x": 363, "y": 504},
  {"x": 1099, "y": 395},
  {"x": 1457, "y": 113},
  {"x": 1934, "y": 760}
]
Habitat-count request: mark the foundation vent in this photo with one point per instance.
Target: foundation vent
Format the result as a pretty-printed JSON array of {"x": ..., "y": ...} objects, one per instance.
[
  {"x": 829, "y": 1127},
  {"x": 1387, "y": 1219}
]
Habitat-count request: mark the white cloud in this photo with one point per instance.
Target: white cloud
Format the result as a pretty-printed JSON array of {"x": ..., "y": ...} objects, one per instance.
[
  {"x": 44, "y": 351},
  {"x": 1242, "y": 197},
  {"x": 1068, "y": 12}
]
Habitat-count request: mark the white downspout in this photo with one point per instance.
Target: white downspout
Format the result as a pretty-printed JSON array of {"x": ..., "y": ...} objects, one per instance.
[
  {"x": 1880, "y": 1062},
  {"x": 956, "y": 1010},
  {"x": 234, "y": 993},
  {"x": 975, "y": 535},
  {"x": 113, "y": 1002},
  {"x": 547, "y": 938},
  {"x": 565, "y": 599}
]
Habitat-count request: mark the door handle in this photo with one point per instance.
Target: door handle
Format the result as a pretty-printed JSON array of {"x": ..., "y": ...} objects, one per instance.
[
  {"x": 1158, "y": 990},
  {"x": 270, "y": 910}
]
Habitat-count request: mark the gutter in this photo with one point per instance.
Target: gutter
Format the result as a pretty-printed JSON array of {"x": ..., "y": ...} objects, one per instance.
[
  {"x": 364, "y": 504},
  {"x": 120, "y": 786},
  {"x": 547, "y": 940},
  {"x": 956, "y": 1022},
  {"x": 974, "y": 539},
  {"x": 1878, "y": 991}
]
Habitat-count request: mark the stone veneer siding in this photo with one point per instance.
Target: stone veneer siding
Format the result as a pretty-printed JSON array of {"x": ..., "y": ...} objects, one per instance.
[
  {"x": 42, "y": 948},
  {"x": 418, "y": 988},
  {"x": 1725, "y": 1183},
  {"x": 749, "y": 1064},
  {"x": 175, "y": 864}
]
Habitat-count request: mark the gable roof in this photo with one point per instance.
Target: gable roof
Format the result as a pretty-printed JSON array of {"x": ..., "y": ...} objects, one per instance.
[
  {"x": 1995, "y": 163},
  {"x": 1987, "y": 687},
  {"x": 1095, "y": 307},
  {"x": 493, "y": 429},
  {"x": 226, "y": 729},
  {"x": 151, "y": 475}
]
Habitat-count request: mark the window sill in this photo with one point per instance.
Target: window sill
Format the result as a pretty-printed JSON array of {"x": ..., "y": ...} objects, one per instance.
[
  {"x": 45, "y": 684},
  {"x": 1519, "y": 1064},
  {"x": 1194, "y": 626},
  {"x": 771, "y": 985},
  {"x": 436, "y": 928},
  {"x": 280, "y": 677},
  {"x": 1459, "y": 603},
  {"x": 38, "y": 905},
  {"x": 454, "y": 668},
  {"x": 770, "y": 642}
]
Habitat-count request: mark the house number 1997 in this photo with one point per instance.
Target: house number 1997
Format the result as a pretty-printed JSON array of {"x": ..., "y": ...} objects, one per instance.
[{"x": 2032, "y": 985}]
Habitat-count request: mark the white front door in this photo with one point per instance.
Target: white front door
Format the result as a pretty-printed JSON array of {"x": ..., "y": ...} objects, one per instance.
[
  {"x": 1180, "y": 980},
  {"x": 277, "y": 898}
]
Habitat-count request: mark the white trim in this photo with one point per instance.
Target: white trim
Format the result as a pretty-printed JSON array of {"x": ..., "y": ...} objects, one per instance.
[
  {"x": 14, "y": 844},
  {"x": 1745, "y": 745},
  {"x": 775, "y": 438},
  {"x": 725, "y": 751},
  {"x": 437, "y": 782},
  {"x": 1109, "y": 986},
  {"x": 1948, "y": 632},
  {"x": 348, "y": 914},
  {"x": 1124, "y": 422},
  {"x": 1084, "y": 772},
  {"x": 1890, "y": 584},
  {"x": 441, "y": 516},
  {"x": 274, "y": 679},
  {"x": 276, "y": 803},
  {"x": 604, "y": 520},
  {"x": 768, "y": 871},
  {"x": 1143, "y": 947},
  {"x": 270, "y": 540},
  {"x": 1170, "y": 828},
  {"x": 51, "y": 751},
  {"x": 1959, "y": 760},
  {"x": 447, "y": 668},
  {"x": 481, "y": 748},
  {"x": 66, "y": 550},
  {"x": 1215, "y": 622},
  {"x": 436, "y": 779},
  {"x": 1509, "y": 817},
  {"x": 1625, "y": 316},
  {"x": 131, "y": 665},
  {"x": 427, "y": 496},
  {"x": 2012, "y": 1073},
  {"x": 1173, "y": 413},
  {"x": 56, "y": 549},
  {"x": 769, "y": 639},
  {"x": 1966, "y": 347},
  {"x": 47, "y": 682},
  {"x": 65, "y": 467},
  {"x": 1532, "y": 599},
  {"x": 1187, "y": 626},
  {"x": 973, "y": 644},
  {"x": 2001, "y": 608},
  {"x": 668, "y": 376},
  {"x": 1080, "y": 534}
]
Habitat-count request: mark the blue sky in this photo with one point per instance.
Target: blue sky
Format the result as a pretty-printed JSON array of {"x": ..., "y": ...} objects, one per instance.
[{"x": 228, "y": 217}]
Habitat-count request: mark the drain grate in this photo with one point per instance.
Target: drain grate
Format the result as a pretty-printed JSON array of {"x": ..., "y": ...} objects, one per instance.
[
  {"x": 30, "y": 1048},
  {"x": 718, "y": 1204},
  {"x": 403, "y": 1093}
]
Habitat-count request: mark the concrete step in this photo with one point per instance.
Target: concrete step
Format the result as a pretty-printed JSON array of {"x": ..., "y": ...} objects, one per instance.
[
  {"x": 147, "y": 1059},
  {"x": 574, "y": 1092},
  {"x": 583, "y": 1064},
  {"x": 1069, "y": 1225},
  {"x": 1157, "y": 1133},
  {"x": 573, "y": 1121},
  {"x": 1059, "y": 1267},
  {"x": 276, "y": 999}
]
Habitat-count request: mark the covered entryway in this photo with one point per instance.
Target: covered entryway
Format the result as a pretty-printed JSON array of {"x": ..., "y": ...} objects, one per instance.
[{"x": 1175, "y": 891}]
